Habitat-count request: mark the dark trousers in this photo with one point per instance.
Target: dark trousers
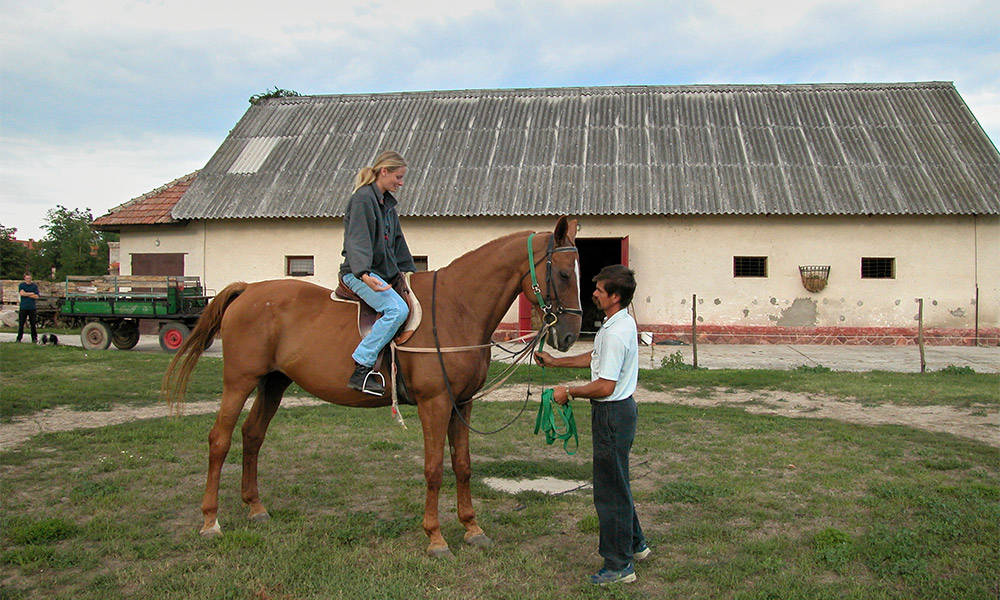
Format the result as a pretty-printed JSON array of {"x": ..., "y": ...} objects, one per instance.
[
  {"x": 613, "y": 425},
  {"x": 32, "y": 317}
]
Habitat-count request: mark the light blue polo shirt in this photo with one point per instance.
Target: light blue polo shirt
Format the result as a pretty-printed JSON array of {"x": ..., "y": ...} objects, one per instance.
[{"x": 616, "y": 355}]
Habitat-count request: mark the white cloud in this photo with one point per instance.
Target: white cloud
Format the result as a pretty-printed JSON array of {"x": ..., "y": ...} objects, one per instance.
[
  {"x": 117, "y": 97},
  {"x": 36, "y": 175}
]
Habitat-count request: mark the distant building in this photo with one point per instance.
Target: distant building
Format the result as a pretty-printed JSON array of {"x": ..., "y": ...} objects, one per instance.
[{"x": 727, "y": 192}]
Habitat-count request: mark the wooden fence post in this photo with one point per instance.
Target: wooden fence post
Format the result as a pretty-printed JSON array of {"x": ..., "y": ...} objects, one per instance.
[
  {"x": 694, "y": 330},
  {"x": 920, "y": 333}
]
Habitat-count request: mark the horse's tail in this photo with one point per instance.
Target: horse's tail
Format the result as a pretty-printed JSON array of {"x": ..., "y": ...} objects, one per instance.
[{"x": 175, "y": 379}]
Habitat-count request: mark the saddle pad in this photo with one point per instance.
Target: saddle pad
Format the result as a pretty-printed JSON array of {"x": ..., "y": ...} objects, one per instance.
[{"x": 367, "y": 315}]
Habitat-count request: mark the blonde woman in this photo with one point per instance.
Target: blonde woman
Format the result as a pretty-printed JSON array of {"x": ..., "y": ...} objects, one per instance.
[{"x": 375, "y": 254}]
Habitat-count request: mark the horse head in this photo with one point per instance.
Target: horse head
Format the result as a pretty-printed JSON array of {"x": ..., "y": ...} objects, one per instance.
[{"x": 556, "y": 285}]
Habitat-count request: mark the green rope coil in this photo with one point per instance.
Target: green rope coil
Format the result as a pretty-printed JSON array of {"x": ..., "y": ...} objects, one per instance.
[{"x": 546, "y": 422}]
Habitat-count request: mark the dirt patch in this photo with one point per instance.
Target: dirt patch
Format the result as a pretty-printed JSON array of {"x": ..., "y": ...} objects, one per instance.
[{"x": 979, "y": 423}]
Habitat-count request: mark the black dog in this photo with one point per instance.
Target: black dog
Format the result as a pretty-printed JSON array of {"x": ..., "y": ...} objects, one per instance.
[{"x": 49, "y": 339}]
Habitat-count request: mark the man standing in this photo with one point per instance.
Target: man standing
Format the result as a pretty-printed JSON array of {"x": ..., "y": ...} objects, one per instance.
[
  {"x": 28, "y": 291},
  {"x": 614, "y": 372}
]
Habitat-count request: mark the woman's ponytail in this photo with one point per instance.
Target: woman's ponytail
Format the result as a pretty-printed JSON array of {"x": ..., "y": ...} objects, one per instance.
[{"x": 387, "y": 160}]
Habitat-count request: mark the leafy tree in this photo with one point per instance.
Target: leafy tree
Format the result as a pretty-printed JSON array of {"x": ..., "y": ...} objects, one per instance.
[
  {"x": 71, "y": 245},
  {"x": 13, "y": 256}
]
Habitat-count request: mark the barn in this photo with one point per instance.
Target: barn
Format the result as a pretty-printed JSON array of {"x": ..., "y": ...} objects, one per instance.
[{"x": 813, "y": 213}]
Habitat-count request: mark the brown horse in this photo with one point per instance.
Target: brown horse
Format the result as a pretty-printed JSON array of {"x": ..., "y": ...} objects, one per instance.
[{"x": 277, "y": 332}]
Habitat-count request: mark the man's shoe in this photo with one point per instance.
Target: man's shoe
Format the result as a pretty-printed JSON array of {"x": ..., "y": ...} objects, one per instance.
[
  {"x": 641, "y": 554},
  {"x": 607, "y": 576},
  {"x": 364, "y": 379}
]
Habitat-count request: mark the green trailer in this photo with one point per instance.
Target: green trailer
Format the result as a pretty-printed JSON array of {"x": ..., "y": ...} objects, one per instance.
[{"x": 113, "y": 307}]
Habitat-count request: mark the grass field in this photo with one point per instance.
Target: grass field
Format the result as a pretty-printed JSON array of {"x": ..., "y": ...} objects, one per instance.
[
  {"x": 34, "y": 378},
  {"x": 735, "y": 505}
]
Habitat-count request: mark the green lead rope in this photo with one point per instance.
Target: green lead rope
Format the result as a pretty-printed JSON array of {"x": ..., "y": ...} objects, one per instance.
[
  {"x": 547, "y": 408},
  {"x": 546, "y": 422}
]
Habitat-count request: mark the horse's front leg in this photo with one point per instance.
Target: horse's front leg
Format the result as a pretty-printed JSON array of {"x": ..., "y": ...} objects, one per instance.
[
  {"x": 461, "y": 463},
  {"x": 434, "y": 420}
]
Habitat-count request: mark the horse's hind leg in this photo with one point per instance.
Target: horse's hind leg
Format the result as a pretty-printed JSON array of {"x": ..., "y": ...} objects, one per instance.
[
  {"x": 234, "y": 396},
  {"x": 269, "y": 392},
  {"x": 461, "y": 463}
]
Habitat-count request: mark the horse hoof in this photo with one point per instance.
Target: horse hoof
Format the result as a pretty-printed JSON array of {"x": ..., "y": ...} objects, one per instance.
[
  {"x": 479, "y": 541},
  {"x": 260, "y": 517},
  {"x": 440, "y": 552},
  {"x": 211, "y": 532}
]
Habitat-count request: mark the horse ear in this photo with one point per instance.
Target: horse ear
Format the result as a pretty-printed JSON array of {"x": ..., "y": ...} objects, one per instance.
[{"x": 565, "y": 232}]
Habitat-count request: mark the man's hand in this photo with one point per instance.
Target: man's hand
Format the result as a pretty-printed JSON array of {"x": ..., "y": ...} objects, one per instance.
[
  {"x": 544, "y": 359},
  {"x": 374, "y": 283},
  {"x": 560, "y": 395}
]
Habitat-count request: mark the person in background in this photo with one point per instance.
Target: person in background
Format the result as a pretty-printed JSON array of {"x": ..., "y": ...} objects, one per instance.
[
  {"x": 614, "y": 372},
  {"x": 27, "y": 309}
]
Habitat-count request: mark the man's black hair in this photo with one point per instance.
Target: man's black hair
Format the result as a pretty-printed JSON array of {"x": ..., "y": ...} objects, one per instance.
[{"x": 618, "y": 279}]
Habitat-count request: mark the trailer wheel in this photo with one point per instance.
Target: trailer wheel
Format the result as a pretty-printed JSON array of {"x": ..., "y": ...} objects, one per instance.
[
  {"x": 95, "y": 335},
  {"x": 172, "y": 335},
  {"x": 126, "y": 335}
]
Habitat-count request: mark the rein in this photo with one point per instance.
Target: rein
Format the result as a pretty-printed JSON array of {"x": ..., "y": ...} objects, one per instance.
[{"x": 551, "y": 317}]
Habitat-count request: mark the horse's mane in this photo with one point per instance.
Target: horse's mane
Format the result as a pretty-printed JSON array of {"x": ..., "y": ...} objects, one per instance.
[{"x": 488, "y": 249}]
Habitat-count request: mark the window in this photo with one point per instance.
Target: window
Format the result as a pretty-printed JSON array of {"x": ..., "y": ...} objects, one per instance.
[
  {"x": 299, "y": 266},
  {"x": 420, "y": 262},
  {"x": 878, "y": 268},
  {"x": 749, "y": 266}
]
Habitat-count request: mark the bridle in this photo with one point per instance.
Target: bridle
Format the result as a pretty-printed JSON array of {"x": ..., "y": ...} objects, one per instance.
[
  {"x": 550, "y": 315},
  {"x": 549, "y": 320}
]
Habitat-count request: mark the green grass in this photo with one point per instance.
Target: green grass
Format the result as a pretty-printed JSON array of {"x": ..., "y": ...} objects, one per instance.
[
  {"x": 735, "y": 505},
  {"x": 38, "y": 377},
  {"x": 34, "y": 378},
  {"x": 950, "y": 387}
]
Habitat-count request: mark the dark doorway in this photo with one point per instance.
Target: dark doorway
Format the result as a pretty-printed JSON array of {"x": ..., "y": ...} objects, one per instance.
[{"x": 595, "y": 254}]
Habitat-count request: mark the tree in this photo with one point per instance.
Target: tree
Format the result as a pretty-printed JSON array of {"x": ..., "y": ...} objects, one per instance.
[
  {"x": 13, "y": 256},
  {"x": 71, "y": 245}
]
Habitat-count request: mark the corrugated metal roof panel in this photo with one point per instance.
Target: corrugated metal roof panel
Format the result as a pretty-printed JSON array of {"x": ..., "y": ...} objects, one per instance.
[{"x": 911, "y": 148}]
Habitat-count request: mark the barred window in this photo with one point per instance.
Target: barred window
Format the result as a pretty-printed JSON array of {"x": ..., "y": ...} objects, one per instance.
[
  {"x": 299, "y": 266},
  {"x": 749, "y": 266},
  {"x": 878, "y": 268}
]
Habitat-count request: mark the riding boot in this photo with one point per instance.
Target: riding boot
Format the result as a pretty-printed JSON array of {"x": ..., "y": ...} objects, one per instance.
[{"x": 366, "y": 380}]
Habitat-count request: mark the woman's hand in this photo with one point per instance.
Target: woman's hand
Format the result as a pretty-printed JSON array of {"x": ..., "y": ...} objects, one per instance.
[{"x": 374, "y": 283}]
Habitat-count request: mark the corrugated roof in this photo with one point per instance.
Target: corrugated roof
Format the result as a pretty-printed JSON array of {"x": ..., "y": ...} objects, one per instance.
[
  {"x": 820, "y": 149},
  {"x": 151, "y": 208}
]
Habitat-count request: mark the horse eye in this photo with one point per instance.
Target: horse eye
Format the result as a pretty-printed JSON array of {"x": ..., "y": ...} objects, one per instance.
[{"x": 564, "y": 275}]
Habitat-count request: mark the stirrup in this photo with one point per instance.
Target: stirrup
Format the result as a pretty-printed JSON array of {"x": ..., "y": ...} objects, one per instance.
[{"x": 364, "y": 384}]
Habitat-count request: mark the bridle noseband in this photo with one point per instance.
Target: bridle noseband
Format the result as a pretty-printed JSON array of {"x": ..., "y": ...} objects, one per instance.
[{"x": 550, "y": 314}]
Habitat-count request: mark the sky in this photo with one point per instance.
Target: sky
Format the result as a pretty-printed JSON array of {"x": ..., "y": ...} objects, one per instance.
[{"x": 102, "y": 101}]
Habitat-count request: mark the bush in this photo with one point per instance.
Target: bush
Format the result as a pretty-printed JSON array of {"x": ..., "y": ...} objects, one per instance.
[
  {"x": 675, "y": 361},
  {"x": 953, "y": 370}
]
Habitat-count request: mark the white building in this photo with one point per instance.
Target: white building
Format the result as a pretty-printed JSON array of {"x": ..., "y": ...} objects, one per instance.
[{"x": 723, "y": 192}]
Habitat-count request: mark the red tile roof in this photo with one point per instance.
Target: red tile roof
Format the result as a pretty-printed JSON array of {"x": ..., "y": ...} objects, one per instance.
[{"x": 149, "y": 209}]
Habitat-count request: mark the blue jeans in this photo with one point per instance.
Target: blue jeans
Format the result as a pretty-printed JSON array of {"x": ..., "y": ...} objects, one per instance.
[
  {"x": 613, "y": 424},
  {"x": 394, "y": 313}
]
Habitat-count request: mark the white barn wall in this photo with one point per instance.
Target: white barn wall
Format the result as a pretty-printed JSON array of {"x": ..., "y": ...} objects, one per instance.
[{"x": 939, "y": 258}]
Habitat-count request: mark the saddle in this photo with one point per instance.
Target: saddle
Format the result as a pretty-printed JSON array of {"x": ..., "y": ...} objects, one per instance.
[{"x": 368, "y": 315}]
